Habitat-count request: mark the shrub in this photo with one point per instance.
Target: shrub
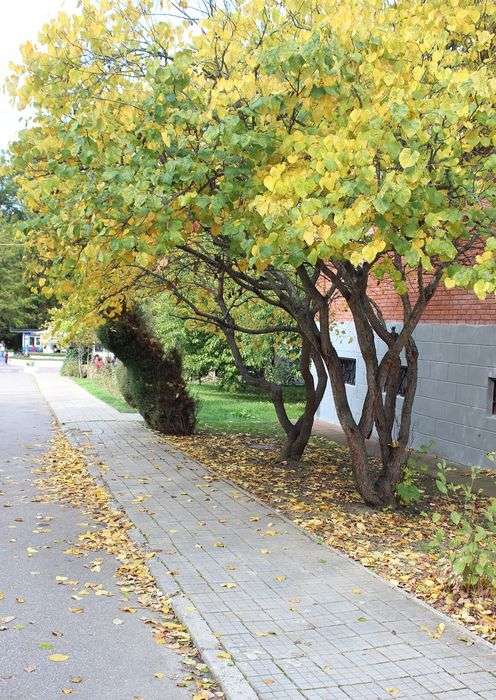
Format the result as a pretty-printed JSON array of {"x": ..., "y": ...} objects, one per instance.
[
  {"x": 470, "y": 543},
  {"x": 122, "y": 381},
  {"x": 72, "y": 368},
  {"x": 408, "y": 490},
  {"x": 154, "y": 382}
]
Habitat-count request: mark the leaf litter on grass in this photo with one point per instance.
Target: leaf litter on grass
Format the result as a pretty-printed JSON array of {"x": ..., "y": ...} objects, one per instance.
[
  {"x": 320, "y": 497},
  {"x": 65, "y": 478}
]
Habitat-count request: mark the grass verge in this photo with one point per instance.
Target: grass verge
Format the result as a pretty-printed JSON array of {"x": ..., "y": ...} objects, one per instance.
[
  {"x": 218, "y": 410},
  {"x": 94, "y": 388}
]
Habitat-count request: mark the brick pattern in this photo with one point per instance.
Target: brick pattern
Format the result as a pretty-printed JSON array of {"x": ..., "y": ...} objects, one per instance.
[
  {"x": 447, "y": 305},
  {"x": 301, "y": 622}
]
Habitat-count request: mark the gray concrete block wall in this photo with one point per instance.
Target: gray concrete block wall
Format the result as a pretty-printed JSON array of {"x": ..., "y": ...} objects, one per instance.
[{"x": 452, "y": 409}]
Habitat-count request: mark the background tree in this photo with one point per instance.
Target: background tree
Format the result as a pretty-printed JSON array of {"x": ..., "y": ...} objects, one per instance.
[
  {"x": 19, "y": 306},
  {"x": 205, "y": 350}
]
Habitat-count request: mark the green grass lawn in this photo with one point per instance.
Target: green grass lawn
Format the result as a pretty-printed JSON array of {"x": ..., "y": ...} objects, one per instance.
[
  {"x": 220, "y": 410},
  {"x": 103, "y": 394},
  {"x": 240, "y": 411}
]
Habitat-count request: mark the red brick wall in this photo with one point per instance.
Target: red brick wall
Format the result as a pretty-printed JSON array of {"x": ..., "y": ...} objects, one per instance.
[{"x": 447, "y": 306}]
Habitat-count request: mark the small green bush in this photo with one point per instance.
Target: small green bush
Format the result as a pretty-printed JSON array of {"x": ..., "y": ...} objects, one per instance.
[
  {"x": 72, "y": 368},
  {"x": 470, "y": 545},
  {"x": 408, "y": 490}
]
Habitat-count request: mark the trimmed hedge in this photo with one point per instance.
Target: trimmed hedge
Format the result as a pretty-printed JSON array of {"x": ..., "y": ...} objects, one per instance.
[{"x": 153, "y": 381}]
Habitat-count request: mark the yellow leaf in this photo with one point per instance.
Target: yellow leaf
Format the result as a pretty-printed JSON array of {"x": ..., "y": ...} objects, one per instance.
[
  {"x": 308, "y": 236},
  {"x": 408, "y": 158},
  {"x": 58, "y": 657},
  {"x": 480, "y": 289},
  {"x": 356, "y": 258},
  {"x": 224, "y": 655}
]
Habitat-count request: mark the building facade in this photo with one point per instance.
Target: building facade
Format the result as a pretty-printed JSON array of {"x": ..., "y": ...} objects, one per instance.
[{"x": 454, "y": 414}]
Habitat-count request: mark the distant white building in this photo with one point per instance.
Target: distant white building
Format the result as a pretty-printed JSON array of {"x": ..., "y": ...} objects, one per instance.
[{"x": 35, "y": 340}]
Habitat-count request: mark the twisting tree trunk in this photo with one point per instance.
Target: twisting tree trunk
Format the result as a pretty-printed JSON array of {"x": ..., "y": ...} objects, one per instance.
[
  {"x": 297, "y": 438},
  {"x": 154, "y": 378},
  {"x": 299, "y": 432},
  {"x": 381, "y": 409}
]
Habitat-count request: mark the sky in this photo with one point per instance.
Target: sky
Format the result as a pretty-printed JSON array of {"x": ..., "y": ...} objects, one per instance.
[{"x": 20, "y": 21}]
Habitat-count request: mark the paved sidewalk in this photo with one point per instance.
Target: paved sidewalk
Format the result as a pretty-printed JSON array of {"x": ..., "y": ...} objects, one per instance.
[
  {"x": 105, "y": 660},
  {"x": 299, "y": 619}
]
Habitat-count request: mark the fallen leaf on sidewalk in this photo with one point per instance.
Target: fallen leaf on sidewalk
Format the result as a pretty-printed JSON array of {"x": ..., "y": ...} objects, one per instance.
[
  {"x": 228, "y": 585},
  {"x": 66, "y": 479},
  {"x": 224, "y": 655},
  {"x": 435, "y": 633},
  {"x": 30, "y": 669},
  {"x": 58, "y": 657}
]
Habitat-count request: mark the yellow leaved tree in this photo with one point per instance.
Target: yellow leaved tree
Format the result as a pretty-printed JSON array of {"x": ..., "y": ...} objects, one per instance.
[{"x": 302, "y": 150}]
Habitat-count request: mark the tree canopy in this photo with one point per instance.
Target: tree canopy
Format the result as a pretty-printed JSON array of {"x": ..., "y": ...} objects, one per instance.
[
  {"x": 348, "y": 131},
  {"x": 300, "y": 149}
]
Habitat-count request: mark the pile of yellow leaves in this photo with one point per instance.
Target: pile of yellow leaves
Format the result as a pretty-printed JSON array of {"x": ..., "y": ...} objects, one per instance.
[
  {"x": 65, "y": 478},
  {"x": 320, "y": 497}
]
